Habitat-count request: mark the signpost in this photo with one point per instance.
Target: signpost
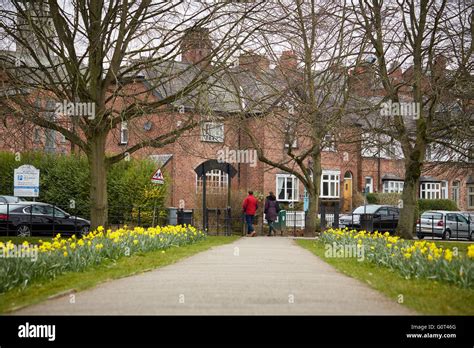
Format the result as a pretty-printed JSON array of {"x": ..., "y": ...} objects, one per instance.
[
  {"x": 158, "y": 178},
  {"x": 26, "y": 181}
]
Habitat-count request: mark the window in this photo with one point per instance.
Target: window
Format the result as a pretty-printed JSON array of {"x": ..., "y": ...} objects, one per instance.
[
  {"x": 369, "y": 184},
  {"x": 470, "y": 196},
  {"x": 329, "y": 143},
  {"x": 455, "y": 192},
  {"x": 444, "y": 189},
  {"x": 216, "y": 182},
  {"x": 50, "y": 140},
  {"x": 330, "y": 184},
  {"x": 290, "y": 137},
  {"x": 212, "y": 132},
  {"x": 37, "y": 136},
  {"x": 287, "y": 188},
  {"x": 124, "y": 133},
  {"x": 392, "y": 186},
  {"x": 430, "y": 190}
]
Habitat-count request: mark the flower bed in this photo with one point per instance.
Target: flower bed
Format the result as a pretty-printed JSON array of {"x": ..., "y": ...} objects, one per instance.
[
  {"x": 419, "y": 259},
  {"x": 59, "y": 255}
]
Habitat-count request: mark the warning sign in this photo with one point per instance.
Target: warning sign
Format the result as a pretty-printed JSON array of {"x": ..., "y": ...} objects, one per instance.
[{"x": 158, "y": 178}]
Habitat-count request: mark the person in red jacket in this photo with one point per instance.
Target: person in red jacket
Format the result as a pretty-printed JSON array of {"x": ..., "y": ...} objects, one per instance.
[{"x": 250, "y": 206}]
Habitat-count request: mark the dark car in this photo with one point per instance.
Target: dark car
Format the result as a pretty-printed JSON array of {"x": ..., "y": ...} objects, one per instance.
[
  {"x": 10, "y": 199},
  {"x": 372, "y": 217},
  {"x": 38, "y": 219}
]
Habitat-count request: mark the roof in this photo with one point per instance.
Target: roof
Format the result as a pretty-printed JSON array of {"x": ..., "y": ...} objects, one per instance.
[{"x": 391, "y": 177}]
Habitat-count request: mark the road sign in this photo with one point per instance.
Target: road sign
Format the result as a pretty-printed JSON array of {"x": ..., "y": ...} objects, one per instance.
[
  {"x": 158, "y": 178},
  {"x": 26, "y": 181}
]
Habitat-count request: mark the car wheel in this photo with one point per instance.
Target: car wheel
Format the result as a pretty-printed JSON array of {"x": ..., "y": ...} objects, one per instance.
[
  {"x": 420, "y": 236},
  {"x": 84, "y": 231},
  {"x": 23, "y": 231},
  {"x": 446, "y": 235}
]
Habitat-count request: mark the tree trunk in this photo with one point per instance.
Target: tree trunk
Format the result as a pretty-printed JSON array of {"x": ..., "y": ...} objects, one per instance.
[
  {"x": 408, "y": 214},
  {"x": 314, "y": 190},
  {"x": 98, "y": 188}
]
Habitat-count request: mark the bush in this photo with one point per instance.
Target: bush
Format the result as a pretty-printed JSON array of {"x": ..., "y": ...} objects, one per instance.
[
  {"x": 436, "y": 204},
  {"x": 64, "y": 181}
]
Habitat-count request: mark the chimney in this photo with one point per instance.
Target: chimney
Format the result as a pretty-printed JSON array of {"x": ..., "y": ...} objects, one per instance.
[
  {"x": 395, "y": 72},
  {"x": 253, "y": 62},
  {"x": 439, "y": 67},
  {"x": 196, "y": 47},
  {"x": 288, "y": 61}
]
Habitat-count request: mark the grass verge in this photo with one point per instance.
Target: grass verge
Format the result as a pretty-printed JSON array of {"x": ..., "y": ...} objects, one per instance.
[
  {"x": 423, "y": 295},
  {"x": 126, "y": 266},
  {"x": 19, "y": 240}
]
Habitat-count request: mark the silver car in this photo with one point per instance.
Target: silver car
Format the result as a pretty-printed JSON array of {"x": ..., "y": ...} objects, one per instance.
[{"x": 444, "y": 224}]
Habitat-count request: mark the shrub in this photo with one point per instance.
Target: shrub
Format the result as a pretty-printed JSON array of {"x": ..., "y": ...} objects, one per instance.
[
  {"x": 436, "y": 204},
  {"x": 64, "y": 181}
]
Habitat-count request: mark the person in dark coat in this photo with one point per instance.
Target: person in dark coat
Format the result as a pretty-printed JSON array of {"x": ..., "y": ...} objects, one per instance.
[{"x": 271, "y": 211}]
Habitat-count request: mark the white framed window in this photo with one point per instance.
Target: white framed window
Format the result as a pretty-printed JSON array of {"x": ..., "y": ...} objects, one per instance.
[
  {"x": 124, "y": 133},
  {"x": 329, "y": 143},
  {"x": 369, "y": 184},
  {"x": 330, "y": 184},
  {"x": 393, "y": 186},
  {"x": 212, "y": 132},
  {"x": 430, "y": 190},
  {"x": 37, "y": 136},
  {"x": 287, "y": 188},
  {"x": 291, "y": 138},
  {"x": 455, "y": 192},
  {"x": 444, "y": 189},
  {"x": 216, "y": 182},
  {"x": 470, "y": 196}
]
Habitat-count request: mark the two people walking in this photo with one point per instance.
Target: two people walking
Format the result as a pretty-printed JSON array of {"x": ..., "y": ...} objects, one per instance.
[{"x": 250, "y": 206}]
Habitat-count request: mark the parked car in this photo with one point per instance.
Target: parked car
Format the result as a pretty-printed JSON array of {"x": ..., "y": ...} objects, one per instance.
[
  {"x": 469, "y": 215},
  {"x": 10, "y": 199},
  {"x": 35, "y": 218},
  {"x": 444, "y": 224},
  {"x": 380, "y": 217}
]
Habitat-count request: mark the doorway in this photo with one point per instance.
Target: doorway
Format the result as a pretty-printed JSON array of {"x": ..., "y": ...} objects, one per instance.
[{"x": 347, "y": 192}]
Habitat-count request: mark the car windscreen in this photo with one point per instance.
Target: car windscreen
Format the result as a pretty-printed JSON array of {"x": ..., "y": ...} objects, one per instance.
[
  {"x": 369, "y": 209},
  {"x": 432, "y": 216}
]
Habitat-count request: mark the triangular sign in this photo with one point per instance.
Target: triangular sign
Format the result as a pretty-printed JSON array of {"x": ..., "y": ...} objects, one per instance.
[{"x": 158, "y": 178}]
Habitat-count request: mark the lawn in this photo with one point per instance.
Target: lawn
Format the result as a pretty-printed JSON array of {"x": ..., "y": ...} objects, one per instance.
[
  {"x": 422, "y": 295},
  {"x": 19, "y": 240},
  {"x": 123, "y": 267}
]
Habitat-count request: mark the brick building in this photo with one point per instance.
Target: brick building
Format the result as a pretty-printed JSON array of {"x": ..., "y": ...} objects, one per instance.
[{"x": 347, "y": 167}]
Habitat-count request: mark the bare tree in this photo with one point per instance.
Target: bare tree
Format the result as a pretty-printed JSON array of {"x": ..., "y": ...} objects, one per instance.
[
  {"x": 120, "y": 59},
  {"x": 300, "y": 102},
  {"x": 432, "y": 40}
]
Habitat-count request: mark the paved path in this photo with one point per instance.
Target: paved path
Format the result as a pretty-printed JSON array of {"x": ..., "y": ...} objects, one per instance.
[{"x": 250, "y": 276}]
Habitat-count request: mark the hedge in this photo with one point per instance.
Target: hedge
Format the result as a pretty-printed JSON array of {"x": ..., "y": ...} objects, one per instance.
[
  {"x": 65, "y": 180},
  {"x": 423, "y": 204}
]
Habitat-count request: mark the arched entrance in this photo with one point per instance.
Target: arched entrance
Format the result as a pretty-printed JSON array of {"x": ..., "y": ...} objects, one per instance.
[
  {"x": 347, "y": 192},
  {"x": 201, "y": 171}
]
